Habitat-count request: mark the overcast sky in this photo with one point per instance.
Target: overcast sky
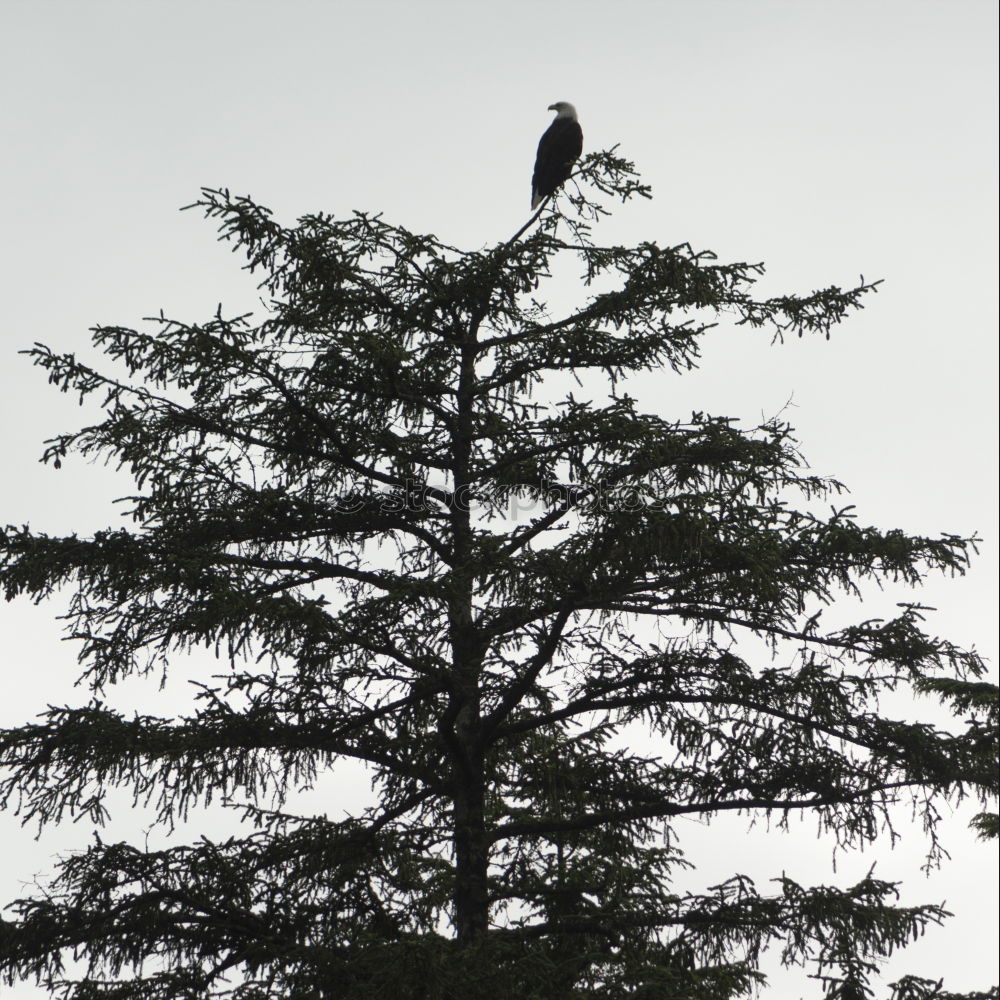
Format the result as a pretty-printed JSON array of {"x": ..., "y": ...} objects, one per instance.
[{"x": 827, "y": 139}]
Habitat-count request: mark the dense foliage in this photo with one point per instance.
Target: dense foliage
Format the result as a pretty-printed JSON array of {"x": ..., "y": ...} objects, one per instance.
[{"x": 408, "y": 544}]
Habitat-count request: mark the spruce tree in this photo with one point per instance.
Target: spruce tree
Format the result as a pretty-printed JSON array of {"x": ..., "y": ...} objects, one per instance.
[{"x": 409, "y": 544}]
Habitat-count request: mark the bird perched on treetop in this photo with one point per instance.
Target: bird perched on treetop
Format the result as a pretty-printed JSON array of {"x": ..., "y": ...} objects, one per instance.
[{"x": 558, "y": 149}]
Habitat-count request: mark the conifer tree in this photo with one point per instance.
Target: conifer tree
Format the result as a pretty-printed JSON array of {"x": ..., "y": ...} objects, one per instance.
[{"x": 325, "y": 497}]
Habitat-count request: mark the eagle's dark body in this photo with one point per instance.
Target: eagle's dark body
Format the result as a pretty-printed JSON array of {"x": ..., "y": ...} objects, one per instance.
[{"x": 558, "y": 150}]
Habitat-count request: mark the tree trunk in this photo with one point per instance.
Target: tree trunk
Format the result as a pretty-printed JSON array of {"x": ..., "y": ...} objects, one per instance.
[{"x": 471, "y": 854}]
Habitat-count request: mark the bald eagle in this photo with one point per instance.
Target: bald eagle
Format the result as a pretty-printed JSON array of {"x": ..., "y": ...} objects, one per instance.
[{"x": 558, "y": 148}]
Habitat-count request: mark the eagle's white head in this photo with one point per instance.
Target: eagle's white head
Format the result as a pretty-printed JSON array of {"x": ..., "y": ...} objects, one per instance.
[{"x": 563, "y": 109}]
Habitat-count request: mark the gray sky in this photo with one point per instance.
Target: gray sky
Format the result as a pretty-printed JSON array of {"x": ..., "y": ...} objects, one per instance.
[{"x": 826, "y": 139}]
